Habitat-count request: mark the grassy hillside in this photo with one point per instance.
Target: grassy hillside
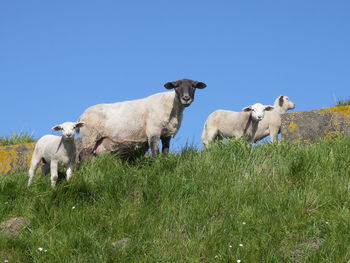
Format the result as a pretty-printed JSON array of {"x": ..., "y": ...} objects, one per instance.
[
  {"x": 16, "y": 138},
  {"x": 343, "y": 102},
  {"x": 270, "y": 203}
]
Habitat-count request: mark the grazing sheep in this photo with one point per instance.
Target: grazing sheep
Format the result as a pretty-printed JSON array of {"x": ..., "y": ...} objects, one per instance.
[
  {"x": 271, "y": 124},
  {"x": 227, "y": 124},
  {"x": 55, "y": 151},
  {"x": 130, "y": 128}
]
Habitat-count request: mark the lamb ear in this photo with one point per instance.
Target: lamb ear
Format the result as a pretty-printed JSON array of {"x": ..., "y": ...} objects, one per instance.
[
  {"x": 170, "y": 85},
  {"x": 199, "y": 85},
  {"x": 249, "y": 108},
  {"x": 79, "y": 124},
  {"x": 57, "y": 128},
  {"x": 281, "y": 100},
  {"x": 269, "y": 108}
]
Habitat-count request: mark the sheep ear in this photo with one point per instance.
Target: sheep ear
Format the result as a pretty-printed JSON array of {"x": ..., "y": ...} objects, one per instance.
[
  {"x": 57, "y": 128},
  {"x": 281, "y": 100},
  {"x": 249, "y": 108},
  {"x": 269, "y": 108},
  {"x": 79, "y": 124},
  {"x": 199, "y": 85},
  {"x": 170, "y": 85}
]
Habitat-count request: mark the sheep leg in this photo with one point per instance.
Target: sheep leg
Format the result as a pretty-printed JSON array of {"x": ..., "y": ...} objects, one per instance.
[
  {"x": 210, "y": 136},
  {"x": 33, "y": 165},
  {"x": 54, "y": 174},
  {"x": 165, "y": 144},
  {"x": 153, "y": 142},
  {"x": 273, "y": 135},
  {"x": 100, "y": 146},
  {"x": 206, "y": 143},
  {"x": 69, "y": 172},
  {"x": 45, "y": 168}
]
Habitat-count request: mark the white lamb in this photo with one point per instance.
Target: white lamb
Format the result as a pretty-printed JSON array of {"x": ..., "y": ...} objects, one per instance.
[
  {"x": 229, "y": 124},
  {"x": 55, "y": 151},
  {"x": 271, "y": 124},
  {"x": 129, "y": 128}
]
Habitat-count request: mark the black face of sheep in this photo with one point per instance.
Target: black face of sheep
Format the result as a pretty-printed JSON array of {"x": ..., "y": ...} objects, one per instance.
[{"x": 185, "y": 89}]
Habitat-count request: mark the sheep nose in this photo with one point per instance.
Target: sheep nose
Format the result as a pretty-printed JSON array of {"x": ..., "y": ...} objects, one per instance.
[{"x": 186, "y": 98}]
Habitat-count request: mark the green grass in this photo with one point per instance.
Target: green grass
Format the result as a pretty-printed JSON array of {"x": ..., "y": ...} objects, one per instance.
[
  {"x": 341, "y": 102},
  {"x": 16, "y": 138},
  {"x": 190, "y": 207}
]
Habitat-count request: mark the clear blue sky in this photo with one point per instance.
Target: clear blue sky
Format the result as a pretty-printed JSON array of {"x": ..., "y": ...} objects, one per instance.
[{"x": 59, "y": 57}]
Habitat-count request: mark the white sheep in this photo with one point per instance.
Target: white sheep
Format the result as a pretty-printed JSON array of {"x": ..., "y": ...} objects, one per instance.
[
  {"x": 271, "y": 124},
  {"x": 230, "y": 124},
  {"x": 55, "y": 151},
  {"x": 130, "y": 128}
]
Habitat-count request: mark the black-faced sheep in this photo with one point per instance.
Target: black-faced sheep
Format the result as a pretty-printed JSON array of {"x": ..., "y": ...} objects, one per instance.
[{"x": 130, "y": 128}]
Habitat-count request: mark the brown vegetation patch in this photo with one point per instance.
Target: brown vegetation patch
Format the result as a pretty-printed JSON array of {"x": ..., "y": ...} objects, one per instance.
[
  {"x": 299, "y": 253},
  {"x": 12, "y": 226}
]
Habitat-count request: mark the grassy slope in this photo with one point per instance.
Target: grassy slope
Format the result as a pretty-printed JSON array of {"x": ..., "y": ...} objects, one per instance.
[
  {"x": 16, "y": 138},
  {"x": 344, "y": 102},
  {"x": 190, "y": 207}
]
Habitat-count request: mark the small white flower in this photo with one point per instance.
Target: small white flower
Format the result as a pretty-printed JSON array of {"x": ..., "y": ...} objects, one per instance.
[
  {"x": 6, "y": 261},
  {"x": 73, "y": 207},
  {"x": 243, "y": 223},
  {"x": 241, "y": 245},
  {"x": 327, "y": 223},
  {"x": 40, "y": 249},
  {"x": 238, "y": 261},
  {"x": 230, "y": 246}
]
